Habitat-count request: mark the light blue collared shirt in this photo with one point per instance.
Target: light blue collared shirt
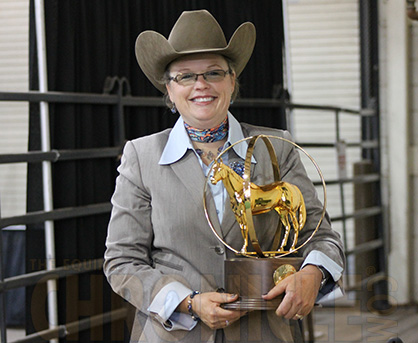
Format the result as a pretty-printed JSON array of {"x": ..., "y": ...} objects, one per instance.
[
  {"x": 166, "y": 301},
  {"x": 179, "y": 142}
]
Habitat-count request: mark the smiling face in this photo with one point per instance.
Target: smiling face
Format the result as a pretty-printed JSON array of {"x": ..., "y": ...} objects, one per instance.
[{"x": 202, "y": 104}]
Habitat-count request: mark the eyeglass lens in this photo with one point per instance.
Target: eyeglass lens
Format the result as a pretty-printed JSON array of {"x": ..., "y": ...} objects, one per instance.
[{"x": 210, "y": 76}]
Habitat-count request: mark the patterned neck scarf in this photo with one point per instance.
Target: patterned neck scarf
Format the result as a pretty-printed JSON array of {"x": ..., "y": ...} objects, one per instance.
[{"x": 208, "y": 135}]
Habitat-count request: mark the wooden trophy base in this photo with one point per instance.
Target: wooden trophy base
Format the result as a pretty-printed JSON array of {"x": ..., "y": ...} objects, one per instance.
[{"x": 251, "y": 278}]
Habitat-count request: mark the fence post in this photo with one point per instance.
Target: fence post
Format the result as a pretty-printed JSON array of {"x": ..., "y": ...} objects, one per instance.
[
  {"x": 366, "y": 263},
  {"x": 3, "y": 333}
]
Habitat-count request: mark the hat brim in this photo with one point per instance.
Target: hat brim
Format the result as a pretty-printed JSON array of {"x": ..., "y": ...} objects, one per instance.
[{"x": 154, "y": 53}]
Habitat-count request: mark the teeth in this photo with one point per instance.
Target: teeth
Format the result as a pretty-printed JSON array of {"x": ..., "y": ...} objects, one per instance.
[{"x": 203, "y": 99}]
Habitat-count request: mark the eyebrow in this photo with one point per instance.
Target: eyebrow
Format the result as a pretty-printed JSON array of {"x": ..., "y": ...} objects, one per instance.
[{"x": 187, "y": 70}]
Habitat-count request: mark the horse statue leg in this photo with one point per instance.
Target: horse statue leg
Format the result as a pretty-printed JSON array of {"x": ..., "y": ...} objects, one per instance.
[
  {"x": 244, "y": 233},
  {"x": 285, "y": 220},
  {"x": 302, "y": 214},
  {"x": 296, "y": 228},
  {"x": 243, "y": 226},
  {"x": 299, "y": 220},
  {"x": 239, "y": 211}
]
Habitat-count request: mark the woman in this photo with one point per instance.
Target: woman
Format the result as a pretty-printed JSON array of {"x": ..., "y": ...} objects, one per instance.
[{"x": 161, "y": 254}]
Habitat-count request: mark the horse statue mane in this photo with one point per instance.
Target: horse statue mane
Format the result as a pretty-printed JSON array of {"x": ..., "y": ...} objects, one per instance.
[{"x": 286, "y": 199}]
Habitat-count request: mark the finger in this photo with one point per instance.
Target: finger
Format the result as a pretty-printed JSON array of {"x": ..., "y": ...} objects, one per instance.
[
  {"x": 285, "y": 306},
  {"x": 293, "y": 314},
  {"x": 297, "y": 316},
  {"x": 227, "y": 297},
  {"x": 275, "y": 291},
  {"x": 229, "y": 318},
  {"x": 223, "y": 324},
  {"x": 291, "y": 304}
]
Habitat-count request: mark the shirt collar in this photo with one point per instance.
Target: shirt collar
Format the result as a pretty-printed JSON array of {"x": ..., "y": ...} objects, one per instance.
[
  {"x": 178, "y": 141},
  {"x": 235, "y": 134},
  {"x": 177, "y": 144}
]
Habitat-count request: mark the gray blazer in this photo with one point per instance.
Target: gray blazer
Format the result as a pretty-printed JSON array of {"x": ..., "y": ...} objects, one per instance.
[{"x": 158, "y": 233}]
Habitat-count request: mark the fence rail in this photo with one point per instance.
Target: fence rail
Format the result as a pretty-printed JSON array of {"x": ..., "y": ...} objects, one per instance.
[{"x": 121, "y": 99}]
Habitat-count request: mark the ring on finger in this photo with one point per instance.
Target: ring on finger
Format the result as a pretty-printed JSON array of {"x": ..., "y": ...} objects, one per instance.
[
  {"x": 298, "y": 316},
  {"x": 226, "y": 322}
]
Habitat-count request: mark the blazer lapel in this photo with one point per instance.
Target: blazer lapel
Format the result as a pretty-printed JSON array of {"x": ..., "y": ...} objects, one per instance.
[
  {"x": 190, "y": 173},
  {"x": 228, "y": 219}
]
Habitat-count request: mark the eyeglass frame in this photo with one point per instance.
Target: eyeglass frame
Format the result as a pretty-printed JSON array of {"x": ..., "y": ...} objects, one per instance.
[{"x": 196, "y": 76}]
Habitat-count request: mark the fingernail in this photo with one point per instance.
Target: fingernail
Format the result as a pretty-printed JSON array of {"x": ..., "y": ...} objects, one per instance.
[
  {"x": 265, "y": 294},
  {"x": 233, "y": 295}
]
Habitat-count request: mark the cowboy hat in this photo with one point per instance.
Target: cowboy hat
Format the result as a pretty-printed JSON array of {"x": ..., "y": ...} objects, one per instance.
[{"x": 194, "y": 32}]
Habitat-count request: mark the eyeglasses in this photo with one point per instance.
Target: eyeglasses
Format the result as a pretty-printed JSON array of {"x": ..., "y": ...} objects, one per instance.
[{"x": 188, "y": 79}]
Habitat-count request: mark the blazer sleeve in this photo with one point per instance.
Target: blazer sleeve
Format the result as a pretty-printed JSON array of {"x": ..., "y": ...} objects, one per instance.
[{"x": 128, "y": 263}]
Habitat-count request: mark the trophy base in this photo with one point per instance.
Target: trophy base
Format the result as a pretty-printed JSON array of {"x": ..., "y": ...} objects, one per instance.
[
  {"x": 251, "y": 304},
  {"x": 251, "y": 278}
]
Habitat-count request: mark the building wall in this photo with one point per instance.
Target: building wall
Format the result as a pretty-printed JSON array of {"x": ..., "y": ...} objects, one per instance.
[
  {"x": 325, "y": 70},
  {"x": 14, "y": 47},
  {"x": 398, "y": 65},
  {"x": 414, "y": 152}
]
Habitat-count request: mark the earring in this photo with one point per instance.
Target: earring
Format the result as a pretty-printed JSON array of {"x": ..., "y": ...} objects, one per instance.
[
  {"x": 173, "y": 108},
  {"x": 231, "y": 102}
]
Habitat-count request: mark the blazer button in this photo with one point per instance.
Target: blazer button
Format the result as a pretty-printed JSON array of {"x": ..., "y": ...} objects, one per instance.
[{"x": 219, "y": 250}]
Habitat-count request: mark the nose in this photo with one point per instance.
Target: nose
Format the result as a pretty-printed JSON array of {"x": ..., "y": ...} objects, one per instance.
[{"x": 201, "y": 82}]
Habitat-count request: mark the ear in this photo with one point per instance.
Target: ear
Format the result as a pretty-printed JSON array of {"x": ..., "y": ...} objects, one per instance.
[
  {"x": 233, "y": 78},
  {"x": 169, "y": 92}
]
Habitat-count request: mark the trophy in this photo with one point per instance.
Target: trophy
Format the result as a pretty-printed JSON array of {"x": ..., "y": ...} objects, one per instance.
[{"x": 253, "y": 273}]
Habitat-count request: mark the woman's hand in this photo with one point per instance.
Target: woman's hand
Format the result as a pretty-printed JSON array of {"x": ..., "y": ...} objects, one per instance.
[
  {"x": 207, "y": 306},
  {"x": 300, "y": 291}
]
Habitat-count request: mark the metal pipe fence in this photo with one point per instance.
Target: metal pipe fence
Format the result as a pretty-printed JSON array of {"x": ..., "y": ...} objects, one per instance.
[{"x": 121, "y": 100}]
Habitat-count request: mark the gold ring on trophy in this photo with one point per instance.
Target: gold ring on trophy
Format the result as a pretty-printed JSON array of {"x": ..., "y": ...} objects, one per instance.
[
  {"x": 251, "y": 277},
  {"x": 247, "y": 204}
]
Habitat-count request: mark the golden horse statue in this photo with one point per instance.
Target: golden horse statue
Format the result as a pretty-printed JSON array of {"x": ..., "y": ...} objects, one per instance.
[{"x": 286, "y": 199}]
